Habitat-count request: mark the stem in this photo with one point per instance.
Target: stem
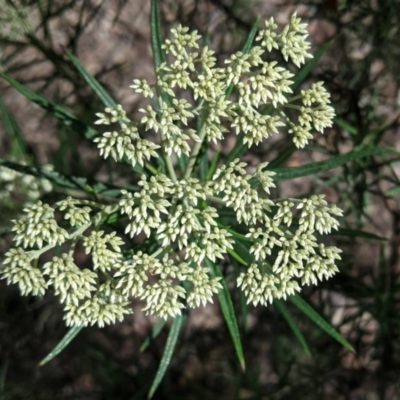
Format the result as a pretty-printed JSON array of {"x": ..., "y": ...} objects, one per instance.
[
  {"x": 292, "y": 106},
  {"x": 151, "y": 169},
  {"x": 38, "y": 253},
  {"x": 294, "y": 98},
  {"x": 170, "y": 167},
  {"x": 214, "y": 199},
  {"x": 157, "y": 252},
  {"x": 195, "y": 152}
]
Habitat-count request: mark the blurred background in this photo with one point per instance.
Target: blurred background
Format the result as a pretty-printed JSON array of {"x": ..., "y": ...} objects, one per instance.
[{"x": 361, "y": 70}]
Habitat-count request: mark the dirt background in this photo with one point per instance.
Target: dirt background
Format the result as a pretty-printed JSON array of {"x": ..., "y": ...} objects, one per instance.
[{"x": 361, "y": 70}]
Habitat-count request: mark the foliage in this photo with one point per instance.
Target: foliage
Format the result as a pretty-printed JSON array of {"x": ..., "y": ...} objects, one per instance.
[
  {"x": 178, "y": 213},
  {"x": 165, "y": 236}
]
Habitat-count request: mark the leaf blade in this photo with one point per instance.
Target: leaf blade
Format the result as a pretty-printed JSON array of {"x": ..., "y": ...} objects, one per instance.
[
  {"x": 228, "y": 312},
  {"x": 19, "y": 146},
  {"x": 71, "y": 182},
  {"x": 64, "y": 116},
  {"x": 95, "y": 85},
  {"x": 167, "y": 355},
  {"x": 155, "y": 35},
  {"x": 304, "y": 307},
  {"x": 302, "y": 74},
  {"x": 285, "y": 173},
  {"x": 280, "y": 305},
  {"x": 157, "y": 328},
  {"x": 62, "y": 344}
]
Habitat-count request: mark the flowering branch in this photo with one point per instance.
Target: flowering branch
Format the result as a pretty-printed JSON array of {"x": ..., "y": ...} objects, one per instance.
[{"x": 181, "y": 215}]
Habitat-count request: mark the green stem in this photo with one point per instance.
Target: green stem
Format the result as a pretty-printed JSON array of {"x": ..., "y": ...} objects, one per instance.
[
  {"x": 214, "y": 199},
  {"x": 39, "y": 252},
  {"x": 170, "y": 168},
  {"x": 151, "y": 169},
  {"x": 195, "y": 152},
  {"x": 157, "y": 252},
  {"x": 292, "y": 106}
]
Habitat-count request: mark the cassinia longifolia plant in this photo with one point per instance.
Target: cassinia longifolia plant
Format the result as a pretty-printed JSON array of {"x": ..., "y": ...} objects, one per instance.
[
  {"x": 179, "y": 211},
  {"x": 14, "y": 21}
]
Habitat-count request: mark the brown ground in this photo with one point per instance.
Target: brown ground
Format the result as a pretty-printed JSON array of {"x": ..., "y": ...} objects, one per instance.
[{"x": 363, "y": 302}]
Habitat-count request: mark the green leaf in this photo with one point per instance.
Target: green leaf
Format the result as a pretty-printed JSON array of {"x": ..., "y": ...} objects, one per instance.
[
  {"x": 283, "y": 156},
  {"x": 358, "y": 233},
  {"x": 228, "y": 312},
  {"x": 302, "y": 74},
  {"x": 303, "y": 306},
  {"x": 167, "y": 355},
  {"x": 319, "y": 166},
  {"x": 235, "y": 234},
  {"x": 60, "y": 113},
  {"x": 237, "y": 150},
  {"x": 157, "y": 328},
  {"x": 72, "y": 182},
  {"x": 107, "y": 100},
  {"x": 346, "y": 126},
  {"x": 63, "y": 343},
  {"x": 156, "y": 46},
  {"x": 244, "y": 307},
  {"x": 393, "y": 191},
  {"x": 245, "y": 49},
  {"x": 19, "y": 147},
  {"x": 213, "y": 166},
  {"x": 237, "y": 257},
  {"x": 242, "y": 249},
  {"x": 155, "y": 35},
  {"x": 281, "y": 306}
]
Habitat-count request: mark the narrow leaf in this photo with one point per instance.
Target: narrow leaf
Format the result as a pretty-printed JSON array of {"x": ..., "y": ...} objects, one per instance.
[
  {"x": 107, "y": 100},
  {"x": 358, "y": 233},
  {"x": 319, "y": 166},
  {"x": 282, "y": 157},
  {"x": 156, "y": 46},
  {"x": 236, "y": 257},
  {"x": 167, "y": 355},
  {"x": 242, "y": 250},
  {"x": 19, "y": 147},
  {"x": 346, "y": 126},
  {"x": 237, "y": 150},
  {"x": 60, "y": 113},
  {"x": 228, "y": 312},
  {"x": 213, "y": 165},
  {"x": 393, "y": 191},
  {"x": 157, "y": 328},
  {"x": 155, "y": 33},
  {"x": 303, "y": 306},
  {"x": 309, "y": 66},
  {"x": 72, "y": 182},
  {"x": 281, "y": 306},
  {"x": 244, "y": 307},
  {"x": 64, "y": 342}
]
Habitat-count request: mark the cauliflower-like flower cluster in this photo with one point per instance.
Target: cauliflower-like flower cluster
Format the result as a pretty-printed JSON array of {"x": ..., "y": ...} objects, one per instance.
[
  {"x": 183, "y": 216},
  {"x": 14, "y": 20}
]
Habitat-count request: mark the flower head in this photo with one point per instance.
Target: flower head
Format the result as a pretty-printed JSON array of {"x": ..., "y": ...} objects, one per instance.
[{"x": 179, "y": 221}]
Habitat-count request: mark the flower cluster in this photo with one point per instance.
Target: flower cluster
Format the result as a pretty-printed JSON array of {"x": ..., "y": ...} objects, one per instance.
[
  {"x": 179, "y": 213},
  {"x": 14, "y": 21},
  {"x": 17, "y": 190}
]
